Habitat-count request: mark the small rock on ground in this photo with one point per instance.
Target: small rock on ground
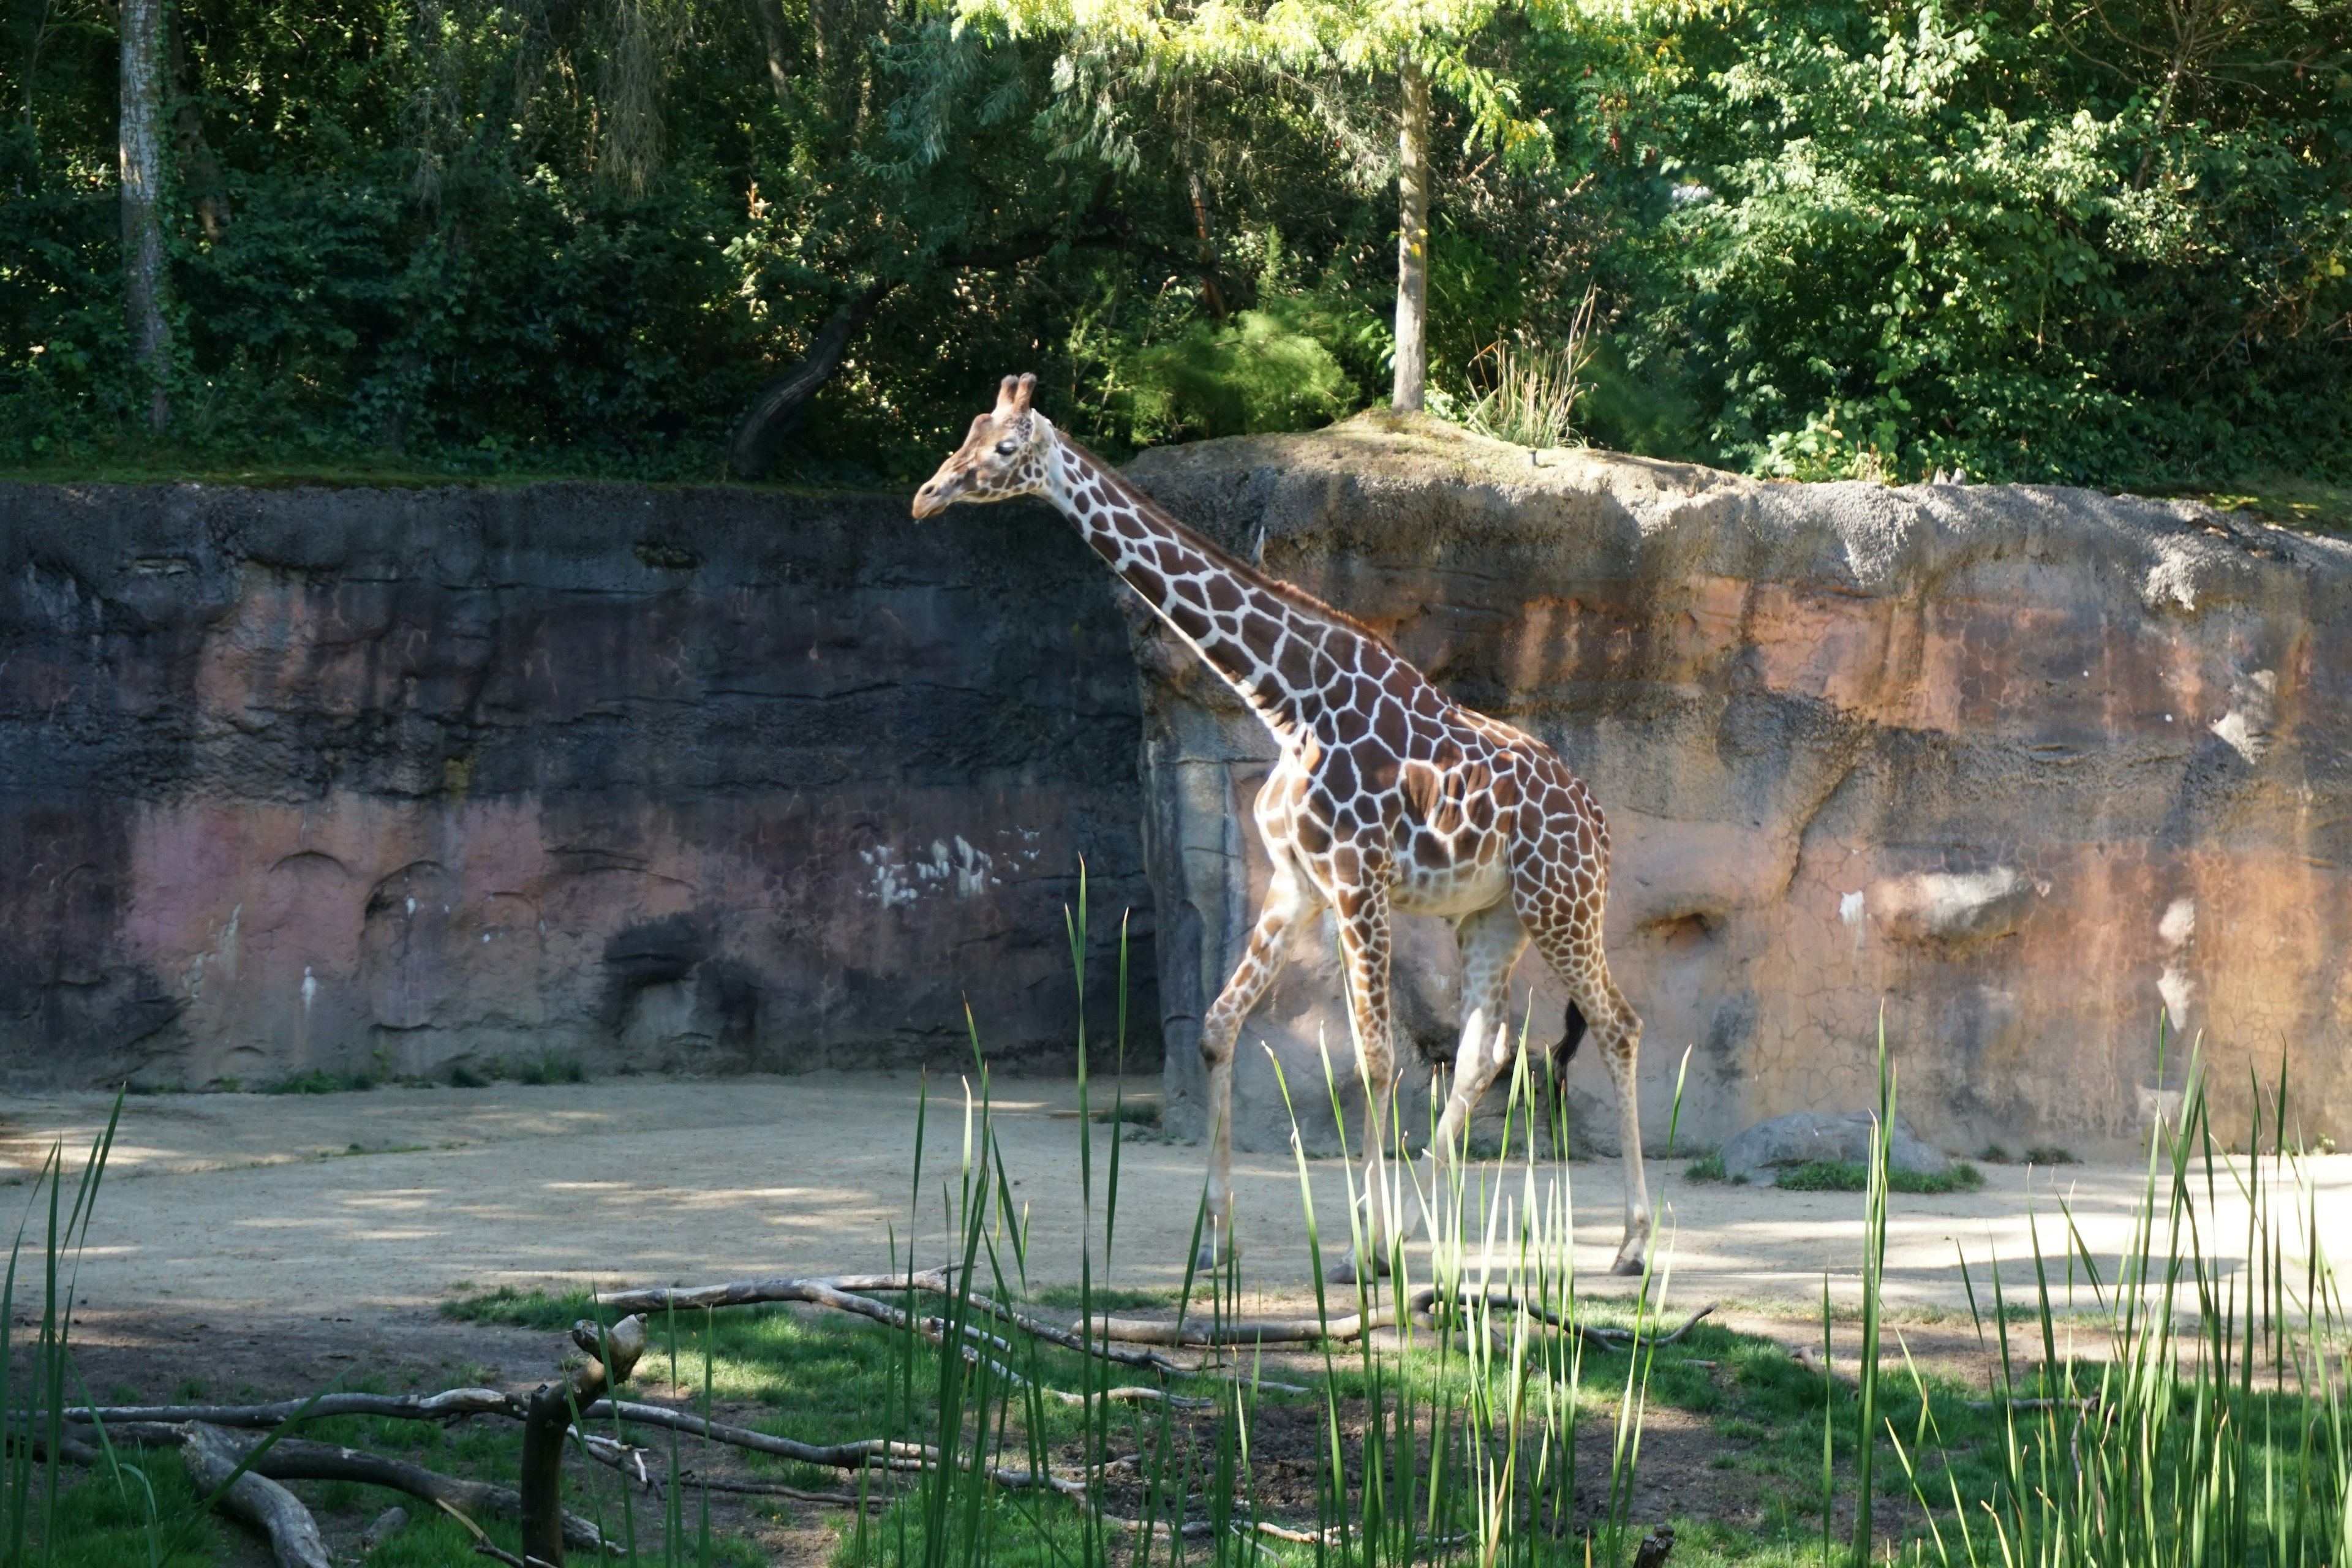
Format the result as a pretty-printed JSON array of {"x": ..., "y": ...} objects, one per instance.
[{"x": 1805, "y": 1136}]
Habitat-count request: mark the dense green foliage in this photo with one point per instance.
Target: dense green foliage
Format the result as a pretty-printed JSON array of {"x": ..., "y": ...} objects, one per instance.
[{"x": 2103, "y": 241}]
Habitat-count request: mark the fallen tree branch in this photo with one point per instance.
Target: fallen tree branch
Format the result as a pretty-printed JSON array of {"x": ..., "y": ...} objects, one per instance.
[
  {"x": 451, "y": 1404},
  {"x": 1811, "y": 1360},
  {"x": 297, "y": 1459},
  {"x": 1353, "y": 1325},
  {"x": 847, "y": 1293},
  {"x": 871, "y": 1453},
  {"x": 212, "y": 1457}
]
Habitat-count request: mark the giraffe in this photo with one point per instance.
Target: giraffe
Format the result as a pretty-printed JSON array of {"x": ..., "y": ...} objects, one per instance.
[{"x": 1388, "y": 799}]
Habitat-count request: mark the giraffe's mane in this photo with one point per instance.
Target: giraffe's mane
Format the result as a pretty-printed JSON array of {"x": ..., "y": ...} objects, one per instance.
[{"x": 1281, "y": 588}]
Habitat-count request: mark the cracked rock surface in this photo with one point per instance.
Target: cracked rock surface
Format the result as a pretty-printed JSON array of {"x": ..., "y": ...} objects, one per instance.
[{"x": 431, "y": 781}]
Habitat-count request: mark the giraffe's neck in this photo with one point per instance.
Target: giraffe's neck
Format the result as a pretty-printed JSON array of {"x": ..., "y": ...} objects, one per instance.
[{"x": 1290, "y": 664}]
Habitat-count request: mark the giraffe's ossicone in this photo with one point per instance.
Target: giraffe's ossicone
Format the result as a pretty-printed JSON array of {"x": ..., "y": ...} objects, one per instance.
[{"x": 1389, "y": 798}]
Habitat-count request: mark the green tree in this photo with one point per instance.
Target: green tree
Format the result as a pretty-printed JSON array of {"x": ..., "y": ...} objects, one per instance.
[{"x": 1446, "y": 43}]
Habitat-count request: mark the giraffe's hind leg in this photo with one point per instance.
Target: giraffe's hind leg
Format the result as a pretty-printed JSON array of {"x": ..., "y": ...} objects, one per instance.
[
  {"x": 1558, "y": 895},
  {"x": 1490, "y": 941}
]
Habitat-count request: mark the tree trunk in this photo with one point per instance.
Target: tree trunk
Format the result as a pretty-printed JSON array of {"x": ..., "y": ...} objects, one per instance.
[
  {"x": 753, "y": 449},
  {"x": 1211, "y": 294},
  {"x": 199, "y": 169},
  {"x": 1413, "y": 240},
  {"x": 777, "y": 43},
  {"x": 142, "y": 148}
]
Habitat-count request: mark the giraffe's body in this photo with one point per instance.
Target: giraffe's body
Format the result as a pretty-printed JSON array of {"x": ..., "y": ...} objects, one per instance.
[{"x": 1389, "y": 799}]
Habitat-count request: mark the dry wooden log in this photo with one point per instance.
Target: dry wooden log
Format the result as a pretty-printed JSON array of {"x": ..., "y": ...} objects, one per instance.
[
  {"x": 296, "y": 1460},
  {"x": 450, "y": 1405},
  {"x": 631, "y": 1460},
  {"x": 1417, "y": 1307},
  {"x": 846, "y": 1292},
  {"x": 753, "y": 1292},
  {"x": 871, "y": 1453},
  {"x": 212, "y": 1456},
  {"x": 1194, "y": 1332}
]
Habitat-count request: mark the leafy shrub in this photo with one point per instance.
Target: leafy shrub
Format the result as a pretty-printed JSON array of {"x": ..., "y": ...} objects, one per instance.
[{"x": 1259, "y": 371}]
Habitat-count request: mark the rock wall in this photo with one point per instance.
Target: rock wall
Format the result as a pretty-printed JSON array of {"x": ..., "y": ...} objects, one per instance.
[
  {"x": 2029, "y": 767},
  {"x": 409, "y": 781}
]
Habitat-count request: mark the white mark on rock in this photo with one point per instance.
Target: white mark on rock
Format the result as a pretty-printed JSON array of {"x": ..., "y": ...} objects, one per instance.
[
  {"x": 2177, "y": 931},
  {"x": 2178, "y": 924},
  {"x": 411, "y": 909},
  {"x": 310, "y": 987},
  {"x": 1850, "y": 909},
  {"x": 2246, "y": 727},
  {"x": 889, "y": 887},
  {"x": 973, "y": 867}
]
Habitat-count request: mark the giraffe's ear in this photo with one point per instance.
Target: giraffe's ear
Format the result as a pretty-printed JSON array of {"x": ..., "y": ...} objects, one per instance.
[
  {"x": 1028, "y": 384},
  {"x": 1006, "y": 397}
]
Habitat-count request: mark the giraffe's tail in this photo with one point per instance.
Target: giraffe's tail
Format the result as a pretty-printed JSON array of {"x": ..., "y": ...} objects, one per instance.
[{"x": 1571, "y": 1035}]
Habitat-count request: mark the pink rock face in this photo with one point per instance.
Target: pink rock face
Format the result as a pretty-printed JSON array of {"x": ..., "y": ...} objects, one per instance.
[
  {"x": 416, "y": 783},
  {"x": 2031, "y": 769}
]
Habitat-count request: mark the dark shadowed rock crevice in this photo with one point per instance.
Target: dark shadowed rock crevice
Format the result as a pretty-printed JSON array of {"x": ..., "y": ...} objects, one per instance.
[{"x": 415, "y": 780}]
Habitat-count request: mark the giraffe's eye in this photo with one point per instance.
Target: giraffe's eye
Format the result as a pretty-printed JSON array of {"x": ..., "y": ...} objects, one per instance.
[{"x": 1007, "y": 446}]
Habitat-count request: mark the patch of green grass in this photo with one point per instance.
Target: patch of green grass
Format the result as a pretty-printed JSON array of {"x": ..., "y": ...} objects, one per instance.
[
  {"x": 1708, "y": 1167},
  {"x": 463, "y": 1076},
  {"x": 1110, "y": 1299},
  {"x": 100, "y": 1525},
  {"x": 2051, "y": 1154},
  {"x": 1853, "y": 1176}
]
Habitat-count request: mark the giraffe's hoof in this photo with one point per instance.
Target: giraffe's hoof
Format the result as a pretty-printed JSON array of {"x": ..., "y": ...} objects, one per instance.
[
  {"x": 1206, "y": 1260},
  {"x": 1629, "y": 1265},
  {"x": 1344, "y": 1272}
]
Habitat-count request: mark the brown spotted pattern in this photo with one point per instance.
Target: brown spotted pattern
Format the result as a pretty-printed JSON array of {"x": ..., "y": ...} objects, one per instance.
[{"x": 1389, "y": 799}]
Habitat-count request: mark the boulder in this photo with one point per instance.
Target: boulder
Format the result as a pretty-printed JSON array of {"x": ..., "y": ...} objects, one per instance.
[
  {"x": 2030, "y": 768},
  {"x": 1802, "y": 1137}
]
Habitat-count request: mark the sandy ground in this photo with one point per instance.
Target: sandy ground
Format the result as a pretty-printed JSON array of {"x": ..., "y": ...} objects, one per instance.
[{"x": 381, "y": 1205}]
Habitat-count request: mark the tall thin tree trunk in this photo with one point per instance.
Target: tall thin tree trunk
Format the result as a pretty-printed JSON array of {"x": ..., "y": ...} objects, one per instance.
[
  {"x": 1413, "y": 240},
  {"x": 141, "y": 150},
  {"x": 778, "y": 42}
]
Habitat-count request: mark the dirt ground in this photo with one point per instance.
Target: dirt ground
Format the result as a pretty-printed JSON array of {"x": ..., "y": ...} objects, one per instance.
[{"x": 258, "y": 1245}]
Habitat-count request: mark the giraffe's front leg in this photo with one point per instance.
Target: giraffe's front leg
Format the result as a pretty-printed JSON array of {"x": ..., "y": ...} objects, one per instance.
[
  {"x": 1363, "y": 911},
  {"x": 1289, "y": 901},
  {"x": 1618, "y": 1032}
]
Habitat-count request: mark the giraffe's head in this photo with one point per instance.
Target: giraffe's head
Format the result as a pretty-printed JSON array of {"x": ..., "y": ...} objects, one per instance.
[{"x": 1004, "y": 454}]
